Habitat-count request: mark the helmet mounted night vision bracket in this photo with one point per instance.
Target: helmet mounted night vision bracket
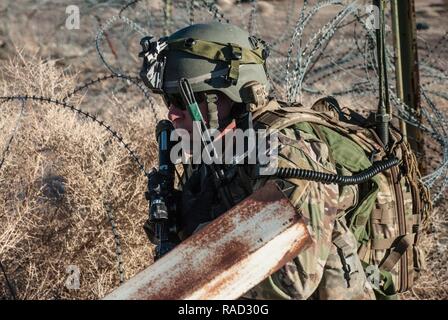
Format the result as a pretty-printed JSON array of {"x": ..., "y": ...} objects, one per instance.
[{"x": 154, "y": 62}]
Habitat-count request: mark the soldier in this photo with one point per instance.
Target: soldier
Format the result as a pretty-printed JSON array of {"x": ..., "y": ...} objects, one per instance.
[{"x": 227, "y": 72}]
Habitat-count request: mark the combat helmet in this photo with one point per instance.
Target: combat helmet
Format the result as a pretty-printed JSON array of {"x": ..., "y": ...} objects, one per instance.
[{"x": 212, "y": 56}]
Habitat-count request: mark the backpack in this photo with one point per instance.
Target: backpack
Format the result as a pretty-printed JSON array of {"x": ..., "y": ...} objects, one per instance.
[{"x": 393, "y": 207}]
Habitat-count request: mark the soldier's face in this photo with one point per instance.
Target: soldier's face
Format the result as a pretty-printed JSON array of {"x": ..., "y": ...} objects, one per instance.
[{"x": 182, "y": 120}]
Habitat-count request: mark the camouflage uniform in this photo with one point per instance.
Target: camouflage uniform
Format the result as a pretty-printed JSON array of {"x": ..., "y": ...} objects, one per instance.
[{"x": 330, "y": 268}]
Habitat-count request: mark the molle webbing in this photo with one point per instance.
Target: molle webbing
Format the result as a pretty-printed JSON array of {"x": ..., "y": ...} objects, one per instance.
[
  {"x": 212, "y": 100},
  {"x": 277, "y": 116}
]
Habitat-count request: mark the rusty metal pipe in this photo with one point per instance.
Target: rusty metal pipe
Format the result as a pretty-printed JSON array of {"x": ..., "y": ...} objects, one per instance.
[{"x": 227, "y": 257}]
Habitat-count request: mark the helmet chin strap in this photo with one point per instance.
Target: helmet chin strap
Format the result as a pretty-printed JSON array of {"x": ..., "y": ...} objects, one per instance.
[{"x": 212, "y": 100}]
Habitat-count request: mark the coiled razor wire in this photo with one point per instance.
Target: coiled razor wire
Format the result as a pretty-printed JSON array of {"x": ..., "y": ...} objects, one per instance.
[
  {"x": 292, "y": 81},
  {"x": 301, "y": 71},
  {"x": 191, "y": 15},
  {"x": 296, "y": 78},
  {"x": 214, "y": 9},
  {"x": 252, "y": 17},
  {"x": 100, "y": 35}
]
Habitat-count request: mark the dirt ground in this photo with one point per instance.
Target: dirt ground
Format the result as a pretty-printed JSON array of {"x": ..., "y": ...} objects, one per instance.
[{"x": 39, "y": 55}]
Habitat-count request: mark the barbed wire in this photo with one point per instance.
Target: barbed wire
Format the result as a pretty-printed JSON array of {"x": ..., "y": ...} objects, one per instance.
[
  {"x": 437, "y": 121},
  {"x": 435, "y": 118},
  {"x": 109, "y": 212},
  {"x": 287, "y": 33},
  {"x": 126, "y": 6},
  {"x": 214, "y": 9},
  {"x": 133, "y": 80},
  {"x": 87, "y": 115},
  {"x": 13, "y": 132}
]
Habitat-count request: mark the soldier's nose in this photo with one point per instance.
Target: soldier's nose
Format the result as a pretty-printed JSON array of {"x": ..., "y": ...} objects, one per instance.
[{"x": 175, "y": 113}]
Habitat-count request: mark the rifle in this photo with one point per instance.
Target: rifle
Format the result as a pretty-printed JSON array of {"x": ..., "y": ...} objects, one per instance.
[{"x": 160, "y": 227}]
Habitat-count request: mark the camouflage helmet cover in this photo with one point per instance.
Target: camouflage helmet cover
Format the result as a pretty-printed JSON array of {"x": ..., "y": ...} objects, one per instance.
[{"x": 209, "y": 73}]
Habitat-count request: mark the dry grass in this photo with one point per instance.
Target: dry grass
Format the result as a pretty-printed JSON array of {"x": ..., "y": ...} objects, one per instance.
[
  {"x": 60, "y": 175},
  {"x": 63, "y": 172}
]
